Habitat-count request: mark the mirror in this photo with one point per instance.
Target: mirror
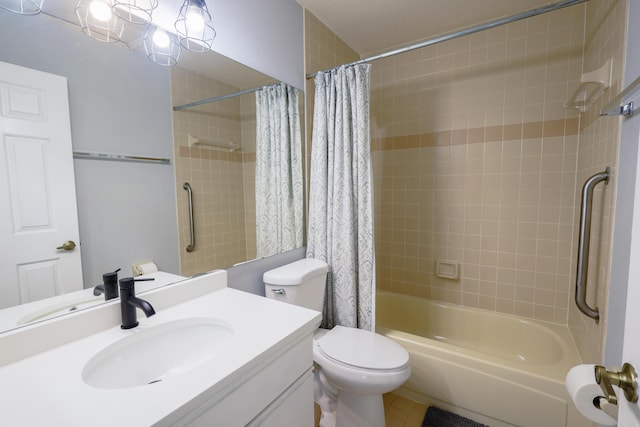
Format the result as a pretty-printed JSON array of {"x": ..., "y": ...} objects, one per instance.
[{"x": 120, "y": 103}]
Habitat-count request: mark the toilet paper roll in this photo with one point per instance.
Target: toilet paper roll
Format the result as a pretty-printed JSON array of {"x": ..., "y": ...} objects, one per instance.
[
  {"x": 583, "y": 389},
  {"x": 147, "y": 267}
]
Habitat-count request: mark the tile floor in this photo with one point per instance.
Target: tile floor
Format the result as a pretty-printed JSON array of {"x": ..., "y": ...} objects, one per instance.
[
  {"x": 399, "y": 411},
  {"x": 402, "y": 412}
]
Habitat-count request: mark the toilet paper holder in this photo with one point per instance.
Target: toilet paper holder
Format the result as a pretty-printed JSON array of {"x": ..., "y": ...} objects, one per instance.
[{"x": 626, "y": 379}]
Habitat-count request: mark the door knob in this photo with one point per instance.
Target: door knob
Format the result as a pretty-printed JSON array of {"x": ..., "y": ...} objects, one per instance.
[
  {"x": 626, "y": 379},
  {"x": 69, "y": 245}
]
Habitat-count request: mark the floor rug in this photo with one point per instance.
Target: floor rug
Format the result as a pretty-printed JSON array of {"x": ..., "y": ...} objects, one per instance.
[{"x": 438, "y": 418}]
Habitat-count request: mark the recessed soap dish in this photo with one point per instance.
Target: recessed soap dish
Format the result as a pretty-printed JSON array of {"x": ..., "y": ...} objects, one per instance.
[
  {"x": 448, "y": 269},
  {"x": 591, "y": 85}
]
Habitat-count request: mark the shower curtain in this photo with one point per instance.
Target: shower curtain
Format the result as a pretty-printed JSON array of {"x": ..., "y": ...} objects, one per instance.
[
  {"x": 279, "y": 181},
  {"x": 340, "y": 198}
]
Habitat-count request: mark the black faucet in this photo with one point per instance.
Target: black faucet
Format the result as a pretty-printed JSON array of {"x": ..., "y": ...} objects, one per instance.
[
  {"x": 129, "y": 302},
  {"x": 109, "y": 286}
]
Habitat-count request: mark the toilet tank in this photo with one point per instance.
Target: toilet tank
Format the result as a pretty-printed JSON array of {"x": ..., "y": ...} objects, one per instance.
[{"x": 300, "y": 283}]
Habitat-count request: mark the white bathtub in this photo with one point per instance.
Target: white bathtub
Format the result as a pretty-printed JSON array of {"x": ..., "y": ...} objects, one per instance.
[{"x": 497, "y": 369}]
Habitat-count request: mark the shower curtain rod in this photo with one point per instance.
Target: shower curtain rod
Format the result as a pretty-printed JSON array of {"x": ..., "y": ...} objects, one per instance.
[
  {"x": 222, "y": 97},
  {"x": 460, "y": 33}
]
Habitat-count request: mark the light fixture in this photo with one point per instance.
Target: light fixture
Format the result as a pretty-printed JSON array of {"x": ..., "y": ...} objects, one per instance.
[
  {"x": 161, "y": 46},
  {"x": 135, "y": 11},
  {"x": 194, "y": 26},
  {"x": 23, "y": 7},
  {"x": 98, "y": 20},
  {"x": 103, "y": 20}
]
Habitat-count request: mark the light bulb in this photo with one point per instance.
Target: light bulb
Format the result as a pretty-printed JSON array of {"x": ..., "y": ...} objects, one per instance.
[
  {"x": 100, "y": 10},
  {"x": 161, "y": 38},
  {"x": 194, "y": 20}
]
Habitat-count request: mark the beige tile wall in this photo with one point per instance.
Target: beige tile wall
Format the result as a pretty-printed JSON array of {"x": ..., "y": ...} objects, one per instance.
[
  {"x": 216, "y": 176},
  {"x": 475, "y": 162},
  {"x": 599, "y": 142},
  {"x": 323, "y": 50}
]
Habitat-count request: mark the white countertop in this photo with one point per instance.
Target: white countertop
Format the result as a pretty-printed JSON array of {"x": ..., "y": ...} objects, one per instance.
[{"x": 48, "y": 389}]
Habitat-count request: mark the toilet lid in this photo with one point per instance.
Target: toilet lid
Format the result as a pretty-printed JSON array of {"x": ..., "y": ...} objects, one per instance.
[{"x": 363, "y": 349}]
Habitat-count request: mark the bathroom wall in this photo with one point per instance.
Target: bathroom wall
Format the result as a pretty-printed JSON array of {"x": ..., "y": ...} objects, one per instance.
[
  {"x": 599, "y": 146},
  {"x": 475, "y": 162},
  {"x": 216, "y": 176},
  {"x": 264, "y": 35}
]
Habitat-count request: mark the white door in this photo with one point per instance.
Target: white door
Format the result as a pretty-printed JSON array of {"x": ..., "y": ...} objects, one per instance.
[
  {"x": 38, "y": 210},
  {"x": 629, "y": 413}
]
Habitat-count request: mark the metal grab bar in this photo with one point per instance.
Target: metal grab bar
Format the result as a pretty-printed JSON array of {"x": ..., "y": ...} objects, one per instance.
[
  {"x": 584, "y": 238},
  {"x": 192, "y": 245}
]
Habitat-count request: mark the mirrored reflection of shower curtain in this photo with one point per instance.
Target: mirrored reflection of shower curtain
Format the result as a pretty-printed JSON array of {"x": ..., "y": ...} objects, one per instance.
[
  {"x": 340, "y": 199},
  {"x": 279, "y": 181}
]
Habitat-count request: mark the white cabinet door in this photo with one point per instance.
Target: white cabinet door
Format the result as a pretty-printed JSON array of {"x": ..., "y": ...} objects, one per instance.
[{"x": 38, "y": 210}]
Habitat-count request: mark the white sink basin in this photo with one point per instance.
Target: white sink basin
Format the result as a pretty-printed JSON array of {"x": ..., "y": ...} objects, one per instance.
[{"x": 157, "y": 353}]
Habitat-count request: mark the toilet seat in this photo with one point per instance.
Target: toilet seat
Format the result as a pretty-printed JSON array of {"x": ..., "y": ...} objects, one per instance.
[{"x": 361, "y": 349}]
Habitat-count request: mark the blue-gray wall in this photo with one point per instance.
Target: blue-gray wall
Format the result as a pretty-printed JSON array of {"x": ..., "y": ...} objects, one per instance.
[{"x": 267, "y": 36}]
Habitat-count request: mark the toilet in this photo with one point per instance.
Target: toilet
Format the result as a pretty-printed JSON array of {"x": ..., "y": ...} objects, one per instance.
[{"x": 353, "y": 367}]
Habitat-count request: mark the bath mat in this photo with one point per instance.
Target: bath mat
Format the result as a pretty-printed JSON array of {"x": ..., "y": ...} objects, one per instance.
[{"x": 438, "y": 418}]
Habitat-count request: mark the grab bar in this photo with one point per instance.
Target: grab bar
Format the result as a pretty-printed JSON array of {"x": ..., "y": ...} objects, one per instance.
[
  {"x": 584, "y": 238},
  {"x": 192, "y": 245}
]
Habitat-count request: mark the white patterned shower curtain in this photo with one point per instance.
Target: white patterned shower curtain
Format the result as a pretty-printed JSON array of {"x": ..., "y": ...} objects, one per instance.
[
  {"x": 340, "y": 198},
  {"x": 279, "y": 180}
]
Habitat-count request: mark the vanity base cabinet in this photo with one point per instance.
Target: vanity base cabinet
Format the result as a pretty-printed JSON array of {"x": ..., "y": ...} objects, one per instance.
[
  {"x": 290, "y": 408},
  {"x": 279, "y": 388}
]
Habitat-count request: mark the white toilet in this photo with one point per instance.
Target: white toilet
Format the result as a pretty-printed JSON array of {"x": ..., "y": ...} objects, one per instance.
[{"x": 354, "y": 367}]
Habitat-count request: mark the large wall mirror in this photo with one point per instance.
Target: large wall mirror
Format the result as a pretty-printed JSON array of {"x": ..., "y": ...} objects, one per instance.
[{"x": 120, "y": 104}]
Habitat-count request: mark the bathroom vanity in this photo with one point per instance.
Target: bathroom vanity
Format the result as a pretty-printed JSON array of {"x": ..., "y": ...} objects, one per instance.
[{"x": 210, "y": 356}]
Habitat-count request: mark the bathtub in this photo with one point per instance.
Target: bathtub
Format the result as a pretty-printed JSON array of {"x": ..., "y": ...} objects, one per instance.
[{"x": 497, "y": 369}]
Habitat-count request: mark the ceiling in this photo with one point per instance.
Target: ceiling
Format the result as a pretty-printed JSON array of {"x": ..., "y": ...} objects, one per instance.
[{"x": 374, "y": 26}]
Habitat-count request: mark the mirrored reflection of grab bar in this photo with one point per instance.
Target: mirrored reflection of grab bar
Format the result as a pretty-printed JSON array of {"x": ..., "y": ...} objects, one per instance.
[
  {"x": 191, "y": 245},
  {"x": 584, "y": 238}
]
